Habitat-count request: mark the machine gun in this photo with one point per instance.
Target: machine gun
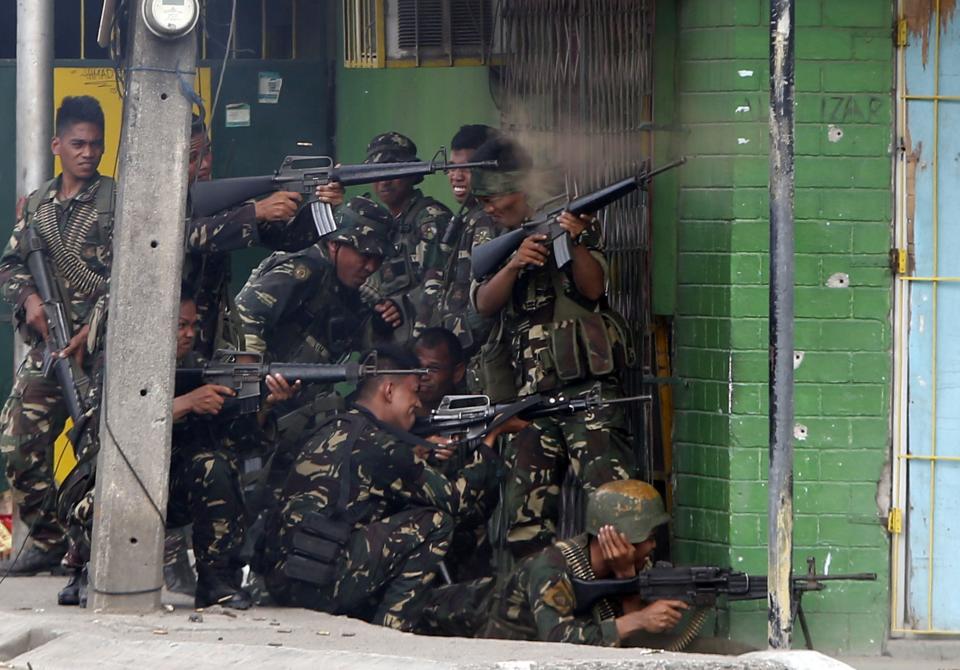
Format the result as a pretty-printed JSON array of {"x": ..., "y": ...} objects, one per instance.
[
  {"x": 702, "y": 586},
  {"x": 473, "y": 416},
  {"x": 304, "y": 174},
  {"x": 246, "y": 378},
  {"x": 73, "y": 383},
  {"x": 488, "y": 257}
]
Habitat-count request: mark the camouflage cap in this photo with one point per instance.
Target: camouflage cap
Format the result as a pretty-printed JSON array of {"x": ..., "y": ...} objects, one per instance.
[
  {"x": 391, "y": 147},
  {"x": 365, "y": 226},
  {"x": 633, "y": 507}
]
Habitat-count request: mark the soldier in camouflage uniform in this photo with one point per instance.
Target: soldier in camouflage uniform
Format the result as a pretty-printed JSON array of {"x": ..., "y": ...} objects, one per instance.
[
  {"x": 413, "y": 278},
  {"x": 360, "y": 473},
  {"x": 204, "y": 481},
  {"x": 537, "y": 602},
  {"x": 272, "y": 222},
  {"x": 73, "y": 215},
  {"x": 555, "y": 335},
  {"x": 471, "y": 226}
]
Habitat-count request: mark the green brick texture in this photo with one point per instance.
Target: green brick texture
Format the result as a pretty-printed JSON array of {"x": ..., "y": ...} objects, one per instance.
[{"x": 843, "y": 202}]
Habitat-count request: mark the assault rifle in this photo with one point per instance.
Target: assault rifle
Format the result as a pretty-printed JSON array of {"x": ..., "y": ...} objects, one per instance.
[
  {"x": 487, "y": 258},
  {"x": 73, "y": 383},
  {"x": 474, "y": 416},
  {"x": 703, "y": 586},
  {"x": 304, "y": 174},
  {"x": 246, "y": 378}
]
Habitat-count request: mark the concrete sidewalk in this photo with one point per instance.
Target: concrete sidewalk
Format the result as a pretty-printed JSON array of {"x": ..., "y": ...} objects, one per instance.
[{"x": 35, "y": 631}]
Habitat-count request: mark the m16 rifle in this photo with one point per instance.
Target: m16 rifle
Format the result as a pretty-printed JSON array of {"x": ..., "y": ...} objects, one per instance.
[
  {"x": 702, "y": 586},
  {"x": 471, "y": 417},
  {"x": 246, "y": 378},
  {"x": 303, "y": 174},
  {"x": 73, "y": 382},
  {"x": 488, "y": 257}
]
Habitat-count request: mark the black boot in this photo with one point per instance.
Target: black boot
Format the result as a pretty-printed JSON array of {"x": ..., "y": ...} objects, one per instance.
[
  {"x": 33, "y": 561},
  {"x": 178, "y": 576},
  {"x": 75, "y": 592},
  {"x": 218, "y": 585}
]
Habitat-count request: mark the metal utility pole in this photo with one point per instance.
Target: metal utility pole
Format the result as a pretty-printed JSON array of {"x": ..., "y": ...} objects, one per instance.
[
  {"x": 780, "y": 484},
  {"x": 34, "y": 124},
  {"x": 134, "y": 461}
]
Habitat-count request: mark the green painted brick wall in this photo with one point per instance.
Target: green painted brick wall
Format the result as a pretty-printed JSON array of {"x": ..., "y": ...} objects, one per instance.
[{"x": 844, "y": 121}]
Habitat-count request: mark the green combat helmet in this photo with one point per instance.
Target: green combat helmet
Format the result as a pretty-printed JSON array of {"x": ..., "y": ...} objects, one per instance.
[
  {"x": 633, "y": 507},
  {"x": 365, "y": 226}
]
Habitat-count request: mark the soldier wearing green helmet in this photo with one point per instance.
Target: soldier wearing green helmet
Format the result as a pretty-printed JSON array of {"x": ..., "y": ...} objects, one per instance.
[{"x": 537, "y": 601}]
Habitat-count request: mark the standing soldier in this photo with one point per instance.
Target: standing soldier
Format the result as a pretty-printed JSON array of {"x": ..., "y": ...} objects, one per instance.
[
  {"x": 413, "y": 278},
  {"x": 73, "y": 216},
  {"x": 470, "y": 227},
  {"x": 555, "y": 336}
]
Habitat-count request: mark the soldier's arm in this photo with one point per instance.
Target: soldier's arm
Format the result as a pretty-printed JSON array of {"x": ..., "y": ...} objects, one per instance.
[
  {"x": 551, "y": 599},
  {"x": 16, "y": 282},
  {"x": 266, "y": 298},
  {"x": 412, "y": 479}
]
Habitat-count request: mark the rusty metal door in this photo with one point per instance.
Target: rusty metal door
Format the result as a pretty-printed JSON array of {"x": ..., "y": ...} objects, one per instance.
[{"x": 576, "y": 88}]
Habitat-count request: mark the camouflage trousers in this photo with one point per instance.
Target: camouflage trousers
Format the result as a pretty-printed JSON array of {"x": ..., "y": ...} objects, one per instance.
[
  {"x": 458, "y": 610},
  {"x": 595, "y": 446},
  {"x": 386, "y": 570},
  {"x": 205, "y": 491},
  {"x": 32, "y": 418}
]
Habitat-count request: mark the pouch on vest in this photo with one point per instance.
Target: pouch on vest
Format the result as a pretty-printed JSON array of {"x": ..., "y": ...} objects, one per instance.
[
  {"x": 597, "y": 344},
  {"x": 316, "y": 544},
  {"x": 494, "y": 368},
  {"x": 624, "y": 352},
  {"x": 566, "y": 351}
]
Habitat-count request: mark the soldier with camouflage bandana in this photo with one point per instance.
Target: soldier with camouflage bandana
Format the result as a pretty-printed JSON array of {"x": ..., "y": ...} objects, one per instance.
[
  {"x": 413, "y": 278},
  {"x": 73, "y": 214},
  {"x": 471, "y": 226},
  {"x": 558, "y": 337},
  {"x": 362, "y": 470}
]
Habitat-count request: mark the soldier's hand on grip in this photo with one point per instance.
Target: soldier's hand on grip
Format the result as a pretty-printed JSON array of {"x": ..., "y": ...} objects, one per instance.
[
  {"x": 78, "y": 345},
  {"x": 331, "y": 193},
  {"x": 280, "y": 389},
  {"x": 661, "y": 616},
  {"x": 208, "y": 399},
  {"x": 389, "y": 313},
  {"x": 532, "y": 251},
  {"x": 278, "y": 206}
]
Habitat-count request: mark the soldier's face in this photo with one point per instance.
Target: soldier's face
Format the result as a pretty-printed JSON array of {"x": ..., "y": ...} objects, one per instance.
[
  {"x": 403, "y": 400},
  {"x": 508, "y": 210},
  {"x": 80, "y": 148},
  {"x": 186, "y": 328},
  {"x": 460, "y": 177},
  {"x": 353, "y": 267},
  {"x": 443, "y": 375},
  {"x": 393, "y": 193},
  {"x": 201, "y": 158}
]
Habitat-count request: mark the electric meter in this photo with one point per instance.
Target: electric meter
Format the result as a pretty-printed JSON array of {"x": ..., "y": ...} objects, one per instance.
[{"x": 170, "y": 18}]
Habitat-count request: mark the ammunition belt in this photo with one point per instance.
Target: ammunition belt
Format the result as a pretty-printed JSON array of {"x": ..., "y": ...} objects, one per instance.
[
  {"x": 579, "y": 564},
  {"x": 65, "y": 248}
]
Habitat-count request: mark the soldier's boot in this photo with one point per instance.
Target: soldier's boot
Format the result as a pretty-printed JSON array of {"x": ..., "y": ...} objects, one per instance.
[
  {"x": 178, "y": 576},
  {"x": 75, "y": 592},
  {"x": 220, "y": 585},
  {"x": 33, "y": 561}
]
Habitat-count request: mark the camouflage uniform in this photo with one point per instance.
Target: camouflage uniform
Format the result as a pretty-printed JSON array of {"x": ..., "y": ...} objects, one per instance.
[
  {"x": 209, "y": 241},
  {"x": 470, "y": 227},
  {"x": 77, "y": 234},
  {"x": 413, "y": 278},
  {"x": 401, "y": 510},
  {"x": 558, "y": 340}
]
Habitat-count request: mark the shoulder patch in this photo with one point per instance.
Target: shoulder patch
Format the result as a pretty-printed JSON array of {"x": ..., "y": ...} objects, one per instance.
[
  {"x": 559, "y": 596},
  {"x": 300, "y": 271}
]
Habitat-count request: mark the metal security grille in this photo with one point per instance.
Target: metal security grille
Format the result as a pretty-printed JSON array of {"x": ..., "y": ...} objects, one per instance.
[{"x": 576, "y": 88}]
